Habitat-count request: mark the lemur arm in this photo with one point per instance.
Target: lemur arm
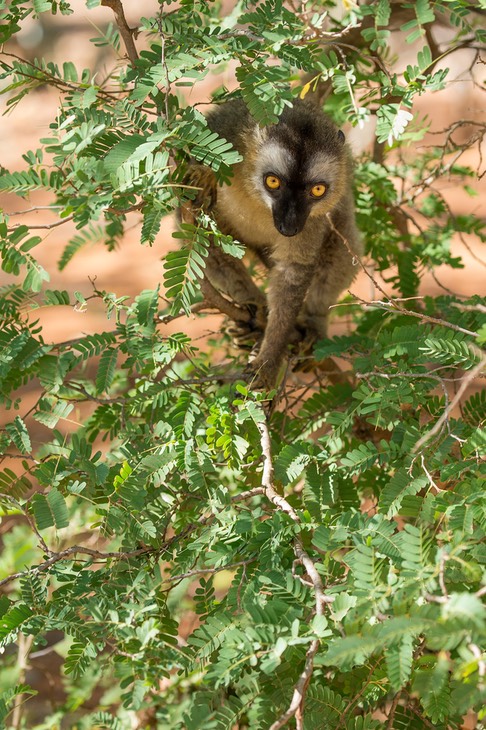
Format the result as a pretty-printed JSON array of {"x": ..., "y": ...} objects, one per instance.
[
  {"x": 226, "y": 273},
  {"x": 288, "y": 287}
]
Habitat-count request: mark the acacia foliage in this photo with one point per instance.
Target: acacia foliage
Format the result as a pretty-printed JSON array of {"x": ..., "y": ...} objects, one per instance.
[{"x": 193, "y": 512}]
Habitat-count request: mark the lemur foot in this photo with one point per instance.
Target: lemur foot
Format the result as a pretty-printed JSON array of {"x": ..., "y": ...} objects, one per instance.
[
  {"x": 247, "y": 335},
  {"x": 304, "y": 351},
  {"x": 262, "y": 374}
]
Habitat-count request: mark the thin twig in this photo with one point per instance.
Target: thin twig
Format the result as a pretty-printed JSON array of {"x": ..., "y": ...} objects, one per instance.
[
  {"x": 206, "y": 571},
  {"x": 393, "y": 305},
  {"x": 23, "y": 653},
  {"x": 421, "y": 717},
  {"x": 56, "y": 557},
  {"x": 48, "y": 226},
  {"x": 267, "y": 475},
  {"x": 34, "y": 209},
  {"x": 163, "y": 60},
  {"x": 29, "y": 519},
  {"x": 444, "y": 558},
  {"x": 48, "y": 78},
  {"x": 393, "y": 709},
  {"x": 76, "y": 550},
  {"x": 478, "y": 654},
  {"x": 470, "y": 307},
  {"x": 447, "y": 411},
  {"x": 355, "y": 699}
]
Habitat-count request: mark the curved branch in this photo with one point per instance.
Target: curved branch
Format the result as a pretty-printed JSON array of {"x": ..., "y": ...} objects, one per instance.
[
  {"x": 296, "y": 707},
  {"x": 75, "y": 550}
]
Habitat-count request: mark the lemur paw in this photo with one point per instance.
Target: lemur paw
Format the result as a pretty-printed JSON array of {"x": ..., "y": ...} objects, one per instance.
[
  {"x": 247, "y": 335},
  {"x": 304, "y": 351},
  {"x": 262, "y": 374},
  {"x": 243, "y": 336}
]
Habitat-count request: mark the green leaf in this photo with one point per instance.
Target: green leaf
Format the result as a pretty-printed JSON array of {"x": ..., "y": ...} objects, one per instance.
[
  {"x": 399, "y": 660},
  {"x": 50, "y": 510},
  {"x": 50, "y": 410},
  {"x": 17, "y": 432},
  {"x": 106, "y": 370},
  {"x": 12, "y": 621},
  {"x": 400, "y": 486},
  {"x": 93, "y": 345},
  {"x": 42, "y": 6},
  {"x": 424, "y": 12},
  {"x": 433, "y": 688},
  {"x": 147, "y": 303},
  {"x": 392, "y": 121},
  {"x": 79, "y": 657},
  {"x": 453, "y": 352},
  {"x": 466, "y": 606},
  {"x": 319, "y": 491},
  {"x": 361, "y": 458},
  {"x": 89, "y": 234},
  {"x": 382, "y": 13},
  {"x": 55, "y": 297},
  {"x": 152, "y": 217},
  {"x": 105, "y": 720},
  {"x": 349, "y": 651},
  {"x": 7, "y": 699},
  {"x": 291, "y": 462},
  {"x": 125, "y": 149},
  {"x": 183, "y": 269}
]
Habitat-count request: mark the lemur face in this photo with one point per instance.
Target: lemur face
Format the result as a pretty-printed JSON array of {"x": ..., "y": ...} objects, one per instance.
[{"x": 298, "y": 169}]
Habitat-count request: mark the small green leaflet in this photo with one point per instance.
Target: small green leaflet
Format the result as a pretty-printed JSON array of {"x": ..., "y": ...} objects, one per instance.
[{"x": 50, "y": 510}]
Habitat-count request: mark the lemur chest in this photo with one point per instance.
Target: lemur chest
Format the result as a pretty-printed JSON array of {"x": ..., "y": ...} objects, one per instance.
[
  {"x": 248, "y": 219},
  {"x": 245, "y": 218}
]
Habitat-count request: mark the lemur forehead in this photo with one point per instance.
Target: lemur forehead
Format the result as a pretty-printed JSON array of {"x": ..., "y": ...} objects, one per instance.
[
  {"x": 323, "y": 167},
  {"x": 274, "y": 157}
]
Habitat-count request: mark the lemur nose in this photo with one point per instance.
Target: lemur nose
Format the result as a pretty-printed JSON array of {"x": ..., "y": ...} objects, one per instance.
[{"x": 287, "y": 230}]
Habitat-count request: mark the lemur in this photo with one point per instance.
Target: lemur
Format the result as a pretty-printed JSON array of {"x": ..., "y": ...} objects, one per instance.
[{"x": 290, "y": 202}]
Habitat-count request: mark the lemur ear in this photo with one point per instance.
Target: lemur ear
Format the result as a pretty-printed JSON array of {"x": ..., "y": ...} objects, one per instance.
[
  {"x": 341, "y": 136},
  {"x": 260, "y": 134}
]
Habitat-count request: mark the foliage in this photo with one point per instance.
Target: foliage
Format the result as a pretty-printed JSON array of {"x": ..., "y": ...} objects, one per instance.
[{"x": 198, "y": 552}]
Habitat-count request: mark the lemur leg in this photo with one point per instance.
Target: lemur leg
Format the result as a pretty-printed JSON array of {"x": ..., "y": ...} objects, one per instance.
[
  {"x": 333, "y": 274},
  {"x": 230, "y": 276},
  {"x": 287, "y": 289},
  {"x": 226, "y": 274},
  {"x": 335, "y": 270}
]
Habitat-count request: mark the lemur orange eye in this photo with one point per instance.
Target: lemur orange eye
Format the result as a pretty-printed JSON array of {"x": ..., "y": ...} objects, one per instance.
[
  {"x": 272, "y": 182},
  {"x": 318, "y": 190}
]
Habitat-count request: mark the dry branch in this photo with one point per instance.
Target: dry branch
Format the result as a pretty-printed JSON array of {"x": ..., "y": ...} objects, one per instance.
[
  {"x": 296, "y": 706},
  {"x": 126, "y": 32}
]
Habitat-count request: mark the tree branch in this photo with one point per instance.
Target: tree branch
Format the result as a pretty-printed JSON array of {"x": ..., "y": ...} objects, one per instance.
[
  {"x": 126, "y": 32},
  {"x": 76, "y": 550},
  {"x": 56, "y": 557},
  {"x": 212, "y": 298},
  {"x": 47, "y": 226},
  {"x": 208, "y": 571},
  {"x": 296, "y": 706}
]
